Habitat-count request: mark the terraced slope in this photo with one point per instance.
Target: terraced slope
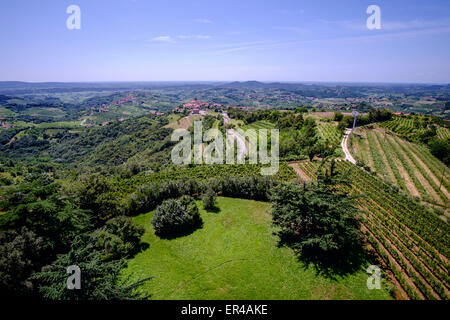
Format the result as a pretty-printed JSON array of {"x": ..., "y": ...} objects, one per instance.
[
  {"x": 407, "y": 165},
  {"x": 412, "y": 128}
]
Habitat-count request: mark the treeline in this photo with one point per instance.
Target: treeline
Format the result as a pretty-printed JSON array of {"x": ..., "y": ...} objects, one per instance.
[
  {"x": 47, "y": 227},
  {"x": 44, "y": 231},
  {"x": 148, "y": 197},
  {"x": 374, "y": 115}
]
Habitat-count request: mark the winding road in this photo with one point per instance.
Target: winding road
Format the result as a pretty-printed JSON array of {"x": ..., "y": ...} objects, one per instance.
[
  {"x": 242, "y": 147},
  {"x": 348, "y": 156}
]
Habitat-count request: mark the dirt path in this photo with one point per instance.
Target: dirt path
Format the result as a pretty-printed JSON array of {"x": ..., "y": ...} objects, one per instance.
[{"x": 303, "y": 176}]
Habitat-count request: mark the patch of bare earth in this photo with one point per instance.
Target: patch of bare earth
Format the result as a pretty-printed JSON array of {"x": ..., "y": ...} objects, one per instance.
[
  {"x": 183, "y": 123},
  {"x": 408, "y": 182},
  {"x": 302, "y": 175}
]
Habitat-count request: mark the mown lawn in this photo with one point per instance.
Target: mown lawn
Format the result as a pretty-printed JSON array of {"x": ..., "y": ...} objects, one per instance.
[{"x": 235, "y": 256}]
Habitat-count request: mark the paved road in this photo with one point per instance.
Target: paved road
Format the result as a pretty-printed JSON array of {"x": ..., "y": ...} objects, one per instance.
[{"x": 348, "y": 156}]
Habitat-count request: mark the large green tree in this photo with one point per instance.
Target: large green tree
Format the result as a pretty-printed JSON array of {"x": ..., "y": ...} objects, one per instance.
[
  {"x": 99, "y": 277},
  {"x": 318, "y": 220}
]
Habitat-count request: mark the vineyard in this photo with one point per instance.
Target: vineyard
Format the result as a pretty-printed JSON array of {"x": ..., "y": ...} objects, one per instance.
[
  {"x": 253, "y": 135},
  {"x": 409, "y": 166},
  {"x": 443, "y": 133},
  {"x": 412, "y": 128},
  {"x": 411, "y": 241},
  {"x": 260, "y": 125},
  {"x": 329, "y": 132}
]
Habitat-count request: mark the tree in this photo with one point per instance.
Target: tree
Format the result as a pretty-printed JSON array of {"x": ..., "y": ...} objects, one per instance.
[
  {"x": 209, "y": 199},
  {"x": 99, "y": 278},
  {"x": 301, "y": 110},
  {"x": 317, "y": 220},
  {"x": 119, "y": 238},
  {"x": 338, "y": 116},
  {"x": 20, "y": 256},
  {"x": 441, "y": 150},
  {"x": 174, "y": 217},
  {"x": 97, "y": 195}
]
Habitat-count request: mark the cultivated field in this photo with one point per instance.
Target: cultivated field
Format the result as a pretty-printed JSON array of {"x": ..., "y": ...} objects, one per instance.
[
  {"x": 329, "y": 132},
  {"x": 410, "y": 240},
  {"x": 407, "y": 165}
]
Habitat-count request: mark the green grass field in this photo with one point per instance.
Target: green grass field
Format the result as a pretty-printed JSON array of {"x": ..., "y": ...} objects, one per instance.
[{"x": 235, "y": 256}]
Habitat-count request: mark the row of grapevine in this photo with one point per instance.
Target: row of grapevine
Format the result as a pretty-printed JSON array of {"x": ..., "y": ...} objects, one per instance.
[
  {"x": 411, "y": 240},
  {"x": 413, "y": 128},
  {"x": 405, "y": 228},
  {"x": 443, "y": 133},
  {"x": 409, "y": 166},
  {"x": 309, "y": 168},
  {"x": 329, "y": 131}
]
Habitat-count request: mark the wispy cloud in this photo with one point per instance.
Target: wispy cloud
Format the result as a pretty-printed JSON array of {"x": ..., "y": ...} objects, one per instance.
[
  {"x": 415, "y": 24},
  {"x": 370, "y": 37},
  {"x": 292, "y": 29},
  {"x": 389, "y": 25},
  {"x": 181, "y": 37},
  {"x": 163, "y": 39},
  {"x": 202, "y": 20},
  {"x": 195, "y": 36},
  {"x": 348, "y": 24},
  {"x": 233, "y": 47}
]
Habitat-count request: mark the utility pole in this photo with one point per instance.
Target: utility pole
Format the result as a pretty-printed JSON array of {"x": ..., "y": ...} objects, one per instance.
[{"x": 355, "y": 115}]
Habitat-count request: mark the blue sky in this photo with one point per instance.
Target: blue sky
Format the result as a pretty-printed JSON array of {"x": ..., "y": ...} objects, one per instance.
[{"x": 282, "y": 40}]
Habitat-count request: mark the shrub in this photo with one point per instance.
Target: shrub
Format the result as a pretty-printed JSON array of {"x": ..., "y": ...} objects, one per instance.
[
  {"x": 441, "y": 150},
  {"x": 209, "y": 199},
  {"x": 119, "y": 238},
  {"x": 338, "y": 116},
  {"x": 176, "y": 216}
]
